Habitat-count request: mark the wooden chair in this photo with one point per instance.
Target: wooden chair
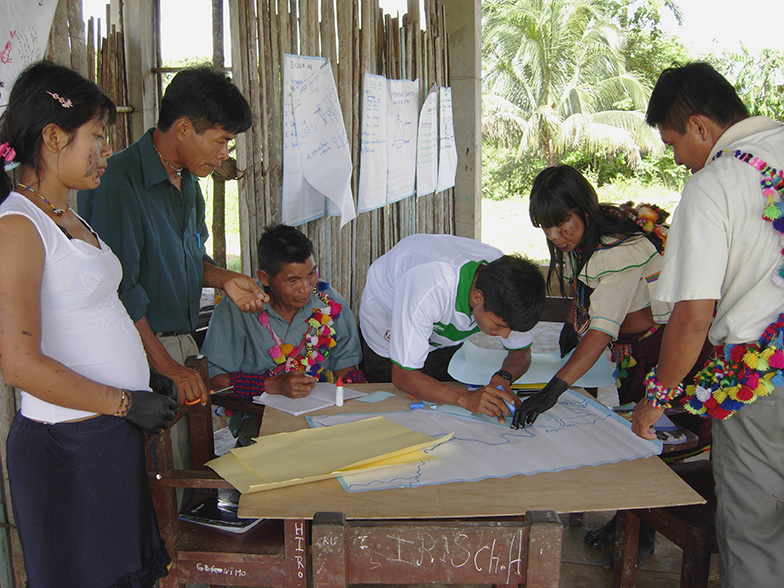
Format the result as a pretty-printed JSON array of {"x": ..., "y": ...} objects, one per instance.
[
  {"x": 690, "y": 527},
  {"x": 260, "y": 557}
]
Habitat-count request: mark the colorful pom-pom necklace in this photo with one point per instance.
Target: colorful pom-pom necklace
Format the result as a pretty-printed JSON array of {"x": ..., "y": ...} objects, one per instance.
[
  {"x": 738, "y": 374},
  {"x": 772, "y": 185},
  {"x": 317, "y": 341}
]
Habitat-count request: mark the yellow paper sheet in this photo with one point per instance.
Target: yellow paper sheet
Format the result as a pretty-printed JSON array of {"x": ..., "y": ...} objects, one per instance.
[{"x": 315, "y": 454}]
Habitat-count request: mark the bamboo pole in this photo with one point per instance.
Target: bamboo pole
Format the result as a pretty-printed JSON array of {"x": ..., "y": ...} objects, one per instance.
[
  {"x": 76, "y": 37},
  {"x": 91, "y": 49}
]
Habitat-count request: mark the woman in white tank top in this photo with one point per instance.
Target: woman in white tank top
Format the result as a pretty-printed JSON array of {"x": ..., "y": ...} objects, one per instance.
[{"x": 75, "y": 450}]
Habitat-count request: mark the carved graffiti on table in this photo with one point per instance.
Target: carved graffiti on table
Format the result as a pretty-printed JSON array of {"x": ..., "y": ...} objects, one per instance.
[
  {"x": 228, "y": 571},
  {"x": 496, "y": 555},
  {"x": 299, "y": 550}
]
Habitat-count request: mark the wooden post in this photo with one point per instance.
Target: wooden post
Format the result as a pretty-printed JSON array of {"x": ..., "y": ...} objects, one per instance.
[
  {"x": 218, "y": 183},
  {"x": 543, "y": 562},
  {"x": 76, "y": 36}
]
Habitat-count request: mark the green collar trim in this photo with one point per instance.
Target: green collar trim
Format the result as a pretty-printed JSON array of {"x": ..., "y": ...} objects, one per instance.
[{"x": 466, "y": 278}]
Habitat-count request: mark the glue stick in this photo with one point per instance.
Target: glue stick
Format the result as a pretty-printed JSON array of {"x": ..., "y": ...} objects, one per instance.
[{"x": 339, "y": 393}]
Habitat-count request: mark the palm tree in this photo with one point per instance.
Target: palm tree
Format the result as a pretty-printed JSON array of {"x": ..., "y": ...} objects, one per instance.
[{"x": 554, "y": 81}]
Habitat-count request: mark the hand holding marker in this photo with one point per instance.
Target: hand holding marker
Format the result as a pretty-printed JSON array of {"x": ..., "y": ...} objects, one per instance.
[
  {"x": 509, "y": 405},
  {"x": 198, "y": 400}
]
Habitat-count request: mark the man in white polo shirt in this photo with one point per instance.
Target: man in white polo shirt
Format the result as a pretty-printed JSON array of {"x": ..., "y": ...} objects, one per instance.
[
  {"x": 428, "y": 294},
  {"x": 723, "y": 271}
]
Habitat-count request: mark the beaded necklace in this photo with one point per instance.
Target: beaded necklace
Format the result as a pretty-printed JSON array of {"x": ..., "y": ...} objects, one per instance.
[
  {"x": 317, "y": 340},
  {"x": 772, "y": 184},
  {"x": 177, "y": 170},
  {"x": 740, "y": 373},
  {"x": 57, "y": 211}
]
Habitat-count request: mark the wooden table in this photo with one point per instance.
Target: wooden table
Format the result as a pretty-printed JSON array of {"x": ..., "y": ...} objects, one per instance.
[{"x": 464, "y": 532}]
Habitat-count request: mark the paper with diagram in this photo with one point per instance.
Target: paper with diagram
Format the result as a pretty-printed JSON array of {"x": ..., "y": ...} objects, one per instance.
[
  {"x": 308, "y": 455},
  {"x": 577, "y": 432}
]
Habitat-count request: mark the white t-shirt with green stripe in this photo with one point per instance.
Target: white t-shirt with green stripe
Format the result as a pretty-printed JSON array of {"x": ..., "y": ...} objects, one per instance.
[{"x": 416, "y": 298}]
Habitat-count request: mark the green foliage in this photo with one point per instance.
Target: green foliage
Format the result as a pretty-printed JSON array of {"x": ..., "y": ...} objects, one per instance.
[
  {"x": 648, "y": 49},
  {"x": 554, "y": 81},
  {"x": 504, "y": 176},
  {"x": 758, "y": 80},
  {"x": 531, "y": 50}
]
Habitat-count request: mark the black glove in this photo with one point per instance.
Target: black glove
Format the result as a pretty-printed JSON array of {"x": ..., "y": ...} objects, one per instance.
[
  {"x": 160, "y": 384},
  {"x": 540, "y": 402},
  {"x": 152, "y": 412},
  {"x": 568, "y": 339}
]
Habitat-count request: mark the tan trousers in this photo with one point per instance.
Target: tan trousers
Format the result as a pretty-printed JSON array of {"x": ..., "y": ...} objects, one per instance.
[{"x": 180, "y": 347}]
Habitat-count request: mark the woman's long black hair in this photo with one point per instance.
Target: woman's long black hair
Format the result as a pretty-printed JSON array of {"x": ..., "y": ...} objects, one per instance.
[
  {"x": 560, "y": 191},
  {"x": 46, "y": 93}
]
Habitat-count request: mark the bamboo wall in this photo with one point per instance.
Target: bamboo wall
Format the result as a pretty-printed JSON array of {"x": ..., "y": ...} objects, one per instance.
[{"x": 356, "y": 37}]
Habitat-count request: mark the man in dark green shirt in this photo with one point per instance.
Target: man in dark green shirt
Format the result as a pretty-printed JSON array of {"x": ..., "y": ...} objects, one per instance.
[{"x": 150, "y": 210}]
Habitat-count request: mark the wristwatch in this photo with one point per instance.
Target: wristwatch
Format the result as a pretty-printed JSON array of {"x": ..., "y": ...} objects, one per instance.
[{"x": 505, "y": 375}]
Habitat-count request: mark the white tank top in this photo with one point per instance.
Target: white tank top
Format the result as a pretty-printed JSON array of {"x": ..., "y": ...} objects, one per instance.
[{"x": 84, "y": 325}]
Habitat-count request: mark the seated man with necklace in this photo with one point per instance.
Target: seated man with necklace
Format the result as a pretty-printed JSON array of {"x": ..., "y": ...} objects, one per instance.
[{"x": 305, "y": 334}]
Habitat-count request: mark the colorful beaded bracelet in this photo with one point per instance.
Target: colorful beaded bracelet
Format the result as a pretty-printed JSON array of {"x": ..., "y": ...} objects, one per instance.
[
  {"x": 125, "y": 404},
  {"x": 657, "y": 394}
]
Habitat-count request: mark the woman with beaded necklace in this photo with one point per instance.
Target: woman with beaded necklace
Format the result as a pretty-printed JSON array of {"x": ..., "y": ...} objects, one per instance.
[
  {"x": 611, "y": 257},
  {"x": 75, "y": 458}
]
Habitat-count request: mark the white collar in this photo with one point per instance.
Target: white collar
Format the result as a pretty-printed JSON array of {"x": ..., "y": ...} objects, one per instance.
[{"x": 741, "y": 130}]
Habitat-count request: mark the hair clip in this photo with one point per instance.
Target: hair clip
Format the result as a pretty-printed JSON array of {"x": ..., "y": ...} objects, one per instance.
[
  {"x": 7, "y": 152},
  {"x": 65, "y": 103}
]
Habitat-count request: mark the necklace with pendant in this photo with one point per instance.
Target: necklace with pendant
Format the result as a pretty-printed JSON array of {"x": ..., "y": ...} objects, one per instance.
[
  {"x": 57, "y": 211},
  {"x": 177, "y": 170}
]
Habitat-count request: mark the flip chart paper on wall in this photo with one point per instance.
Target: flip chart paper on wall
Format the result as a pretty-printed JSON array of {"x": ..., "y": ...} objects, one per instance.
[
  {"x": 322, "y": 142},
  {"x": 316, "y": 158},
  {"x": 476, "y": 365},
  {"x": 577, "y": 432},
  {"x": 23, "y": 39},
  {"x": 307, "y": 455},
  {"x": 300, "y": 201},
  {"x": 402, "y": 112},
  {"x": 427, "y": 145},
  {"x": 373, "y": 157},
  {"x": 447, "y": 156}
]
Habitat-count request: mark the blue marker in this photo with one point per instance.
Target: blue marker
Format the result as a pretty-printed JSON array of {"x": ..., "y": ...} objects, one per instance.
[
  {"x": 509, "y": 405},
  {"x": 414, "y": 405}
]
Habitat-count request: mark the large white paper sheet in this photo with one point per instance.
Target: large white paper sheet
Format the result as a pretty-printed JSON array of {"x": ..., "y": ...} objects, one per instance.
[
  {"x": 23, "y": 39},
  {"x": 322, "y": 142},
  {"x": 402, "y": 112},
  {"x": 373, "y": 157},
  {"x": 427, "y": 145},
  {"x": 577, "y": 432},
  {"x": 300, "y": 202},
  {"x": 447, "y": 157},
  {"x": 476, "y": 365},
  {"x": 322, "y": 396}
]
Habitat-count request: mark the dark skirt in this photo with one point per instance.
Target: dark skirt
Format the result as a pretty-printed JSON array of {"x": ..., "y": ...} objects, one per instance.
[{"x": 82, "y": 504}]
